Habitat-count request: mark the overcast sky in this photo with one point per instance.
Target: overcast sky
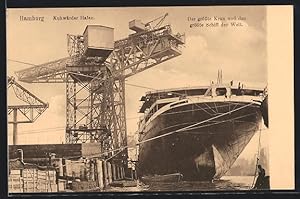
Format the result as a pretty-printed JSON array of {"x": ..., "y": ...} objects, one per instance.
[{"x": 239, "y": 52}]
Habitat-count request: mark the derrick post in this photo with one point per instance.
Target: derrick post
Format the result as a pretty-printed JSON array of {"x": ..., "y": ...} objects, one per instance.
[{"x": 15, "y": 126}]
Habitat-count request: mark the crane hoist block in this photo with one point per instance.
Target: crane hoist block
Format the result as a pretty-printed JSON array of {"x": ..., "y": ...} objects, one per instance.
[
  {"x": 137, "y": 25},
  {"x": 98, "y": 41}
]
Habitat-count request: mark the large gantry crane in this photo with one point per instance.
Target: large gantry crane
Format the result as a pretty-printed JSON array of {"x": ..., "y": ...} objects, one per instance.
[
  {"x": 29, "y": 111},
  {"x": 95, "y": 74}
]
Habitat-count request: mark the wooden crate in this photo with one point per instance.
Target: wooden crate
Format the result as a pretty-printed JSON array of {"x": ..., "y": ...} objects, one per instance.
[
  {"x": 75, "y": 168},
  {"x": 61, "y": 186},
  {"x": 15, "y": 184},
  {"x": 32, "y": 180}
]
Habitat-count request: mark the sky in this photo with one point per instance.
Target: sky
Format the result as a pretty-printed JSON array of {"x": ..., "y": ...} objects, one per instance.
[{"x": 240, "y": 52}]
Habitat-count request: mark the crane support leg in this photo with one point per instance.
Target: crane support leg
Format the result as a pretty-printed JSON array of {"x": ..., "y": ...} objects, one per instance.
[{"x": 15, "y": 126}]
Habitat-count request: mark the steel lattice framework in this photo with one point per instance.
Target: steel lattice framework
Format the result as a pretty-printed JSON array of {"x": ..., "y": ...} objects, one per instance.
[
  {"x": 30, "y": 111},
  {"x": 95, "y": 86}
]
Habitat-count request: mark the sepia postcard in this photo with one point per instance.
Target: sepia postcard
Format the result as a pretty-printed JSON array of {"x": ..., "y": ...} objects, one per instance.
[{"x": 150, "y": 99}]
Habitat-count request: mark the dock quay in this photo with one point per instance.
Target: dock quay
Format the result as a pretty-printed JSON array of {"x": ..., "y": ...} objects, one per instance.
[{"x": 62, "y": 168}]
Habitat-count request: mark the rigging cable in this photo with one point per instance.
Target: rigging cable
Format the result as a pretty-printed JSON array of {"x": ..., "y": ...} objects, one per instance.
[
  {"x": 178, "y": 131},
  {"x": 21, "y": 62}
]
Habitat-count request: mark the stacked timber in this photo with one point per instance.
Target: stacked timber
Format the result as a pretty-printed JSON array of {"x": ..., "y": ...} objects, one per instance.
[
  {"x": 39, "y": 179},
  {"x": 61, "y": 167},
  {"x": 15, "y": 179},
  {"x": 30, "y": 178}
]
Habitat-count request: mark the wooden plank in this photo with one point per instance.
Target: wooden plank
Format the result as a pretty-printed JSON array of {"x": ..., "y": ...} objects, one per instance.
[
  {"x": 25, "y": 181},
  {"x": 105, "y": 176},
  {"x": 15, "y": 185},
  {"x": 61, "y": 185},
  {"x": 15, "y": 172},
  {"x": 100, "y": 173},
  {"x": 109, "y": 172},
  {"x": 34, "y": 181},
  {"x": 60, "y": 165},
  {"x": 14, "y": 176},
  {"x": 114, "y": 172},
  {"x": 12, "y": 184},
  {"x": 68, "y": 165},
  {"x": 21, "y": 182},
  {"x": 92, "y": 171}
]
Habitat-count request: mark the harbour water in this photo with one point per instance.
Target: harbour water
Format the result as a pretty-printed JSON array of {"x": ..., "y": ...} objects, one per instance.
[{"x": 229, "y": 183}]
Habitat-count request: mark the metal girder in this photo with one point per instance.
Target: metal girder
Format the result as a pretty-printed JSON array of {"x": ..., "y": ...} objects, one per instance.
[
  {"x": 30, "y": 114},
  {"x": 93, "y": 111},
  {"x": 95, "y": 88},
  {"x": 49, "y": 72},
  {"x": 132, "y": 55},
  {"x": 34, "y": 106},
  {"x": 141, "y": 51}
]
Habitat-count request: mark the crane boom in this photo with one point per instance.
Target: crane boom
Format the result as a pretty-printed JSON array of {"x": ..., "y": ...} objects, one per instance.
[
  {"x": 130, "y": 56},
  {"x": 25, "y": 95},
  {"x": 139, "y": 52},
  {"x": 30, "y": 111},
  {"x": 95, "y": 79},
  {"x": 53, "y": 71}
]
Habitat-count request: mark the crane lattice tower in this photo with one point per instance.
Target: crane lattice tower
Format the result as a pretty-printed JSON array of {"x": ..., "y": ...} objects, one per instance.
[{"x": 95, "y": 74}]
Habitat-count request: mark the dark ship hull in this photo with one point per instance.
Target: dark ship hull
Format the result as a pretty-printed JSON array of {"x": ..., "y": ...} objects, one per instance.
[
  {"x": 205, "y": 151},
  {"x": 264, "y": 110}
]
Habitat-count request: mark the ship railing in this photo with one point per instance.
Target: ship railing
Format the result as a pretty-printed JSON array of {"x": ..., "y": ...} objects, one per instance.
[{"x": 141, "y": 121}]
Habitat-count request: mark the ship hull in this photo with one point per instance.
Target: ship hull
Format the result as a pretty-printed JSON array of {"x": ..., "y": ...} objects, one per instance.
[{"x": 204, "y": 152}]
